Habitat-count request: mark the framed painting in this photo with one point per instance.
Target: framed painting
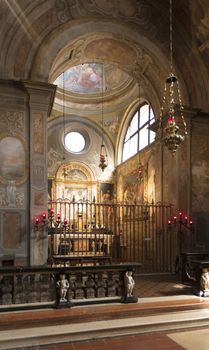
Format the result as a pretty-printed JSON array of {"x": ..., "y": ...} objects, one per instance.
[{"x": 106, "y": 192}]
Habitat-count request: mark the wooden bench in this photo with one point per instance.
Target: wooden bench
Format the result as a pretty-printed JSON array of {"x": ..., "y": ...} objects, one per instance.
[{"x": 189, "y": 262}]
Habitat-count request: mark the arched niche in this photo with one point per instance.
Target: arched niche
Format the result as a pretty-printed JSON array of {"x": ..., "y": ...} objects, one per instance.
[{"x": 74, "y": 181}]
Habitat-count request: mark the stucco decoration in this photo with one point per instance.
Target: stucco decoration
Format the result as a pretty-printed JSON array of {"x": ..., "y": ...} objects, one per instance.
[
  {"x": 131, "y": 10},
  {"x": 38, "y": 133},
  {"x": 12, "y": 121},
  {"x": 53, "y": 161},
  {"x": 13, "y": 166},
  {"x": 64, "y": 9},
  {"x": 201, "y": 19}
]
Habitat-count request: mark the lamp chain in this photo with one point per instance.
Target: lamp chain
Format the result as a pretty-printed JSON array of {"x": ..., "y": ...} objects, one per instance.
[
  {"x": 102, "y": 102},
  {"x": 171, "y": 37},
  {"x": 63, "y": 111}
]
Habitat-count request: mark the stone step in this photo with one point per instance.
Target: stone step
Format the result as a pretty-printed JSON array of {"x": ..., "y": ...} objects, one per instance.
[
  {"x": 36, "y": 336},
  {"x": 45, "y": 327}
]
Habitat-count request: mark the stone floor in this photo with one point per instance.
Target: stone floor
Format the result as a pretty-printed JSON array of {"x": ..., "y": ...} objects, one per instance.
[
  {"x": 160, "y": 285},
  {"x": 162, "y": 299}
]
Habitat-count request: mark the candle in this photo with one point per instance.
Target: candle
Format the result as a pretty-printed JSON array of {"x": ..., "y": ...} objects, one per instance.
[
  {"x": 65, "y": 222},
  {"x": 37, "y": 221}
]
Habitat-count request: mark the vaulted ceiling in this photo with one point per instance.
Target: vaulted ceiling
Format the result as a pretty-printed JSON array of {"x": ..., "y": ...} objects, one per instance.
[{"x": 40, "y": 39}]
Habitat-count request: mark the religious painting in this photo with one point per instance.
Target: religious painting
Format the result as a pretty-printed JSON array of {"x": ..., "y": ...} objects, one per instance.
[
  {"x": 83, "y": 78},
  {"x": 106, "y": 192},
  {"x": 133, "y": 188},
  {"x": 92, "y": 78},
  {"x": 13, "y": 160}
]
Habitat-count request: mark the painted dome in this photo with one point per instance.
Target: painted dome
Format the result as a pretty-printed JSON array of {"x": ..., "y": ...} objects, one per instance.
[{"x": 88, "y": 78}]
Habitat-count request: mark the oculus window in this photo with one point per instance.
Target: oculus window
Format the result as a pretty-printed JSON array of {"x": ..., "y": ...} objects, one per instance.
[
  {"x": 138, "y": 134},
  {"x": 74, "y": 142}
]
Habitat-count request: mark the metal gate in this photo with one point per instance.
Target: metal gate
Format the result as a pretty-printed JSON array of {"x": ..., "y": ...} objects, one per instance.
[{"x": 85, "y": 232}]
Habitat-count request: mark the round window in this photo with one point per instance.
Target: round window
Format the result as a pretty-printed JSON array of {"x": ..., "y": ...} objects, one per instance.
[{"x": 74, "y": 142}]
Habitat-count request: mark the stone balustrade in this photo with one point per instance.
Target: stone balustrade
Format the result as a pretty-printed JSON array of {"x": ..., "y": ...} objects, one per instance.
[{"x": 30, "y": 287}]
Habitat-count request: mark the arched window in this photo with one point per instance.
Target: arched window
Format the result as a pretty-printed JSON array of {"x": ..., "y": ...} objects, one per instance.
[{"x": 138, "y": 134}]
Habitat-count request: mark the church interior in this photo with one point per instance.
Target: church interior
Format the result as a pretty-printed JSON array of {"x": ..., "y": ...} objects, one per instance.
[{"x": 104, "y": 170}]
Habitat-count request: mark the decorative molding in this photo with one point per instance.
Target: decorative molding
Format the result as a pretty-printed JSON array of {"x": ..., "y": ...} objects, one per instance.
[
  {"x": 13, "y": 122},
  {"x": 38, "y": 132}
]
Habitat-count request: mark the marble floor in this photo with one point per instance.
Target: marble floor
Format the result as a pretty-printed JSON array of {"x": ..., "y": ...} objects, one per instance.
[{"x": 168, "y": 316}]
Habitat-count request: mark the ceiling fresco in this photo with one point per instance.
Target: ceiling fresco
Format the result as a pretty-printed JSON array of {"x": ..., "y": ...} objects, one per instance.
[{"x": 88, "y": 78}]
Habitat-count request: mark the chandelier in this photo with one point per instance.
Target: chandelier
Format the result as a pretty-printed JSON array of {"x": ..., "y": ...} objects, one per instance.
[
  {"x": 64, "y": 172},
  {"x": 103, "y": 153},
  {"x": 172, "y": 105}
]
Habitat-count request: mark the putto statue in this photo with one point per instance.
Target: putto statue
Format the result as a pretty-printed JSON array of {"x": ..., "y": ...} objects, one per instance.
[
  {"x": 63, "y": 286},
  {"x": 129, "y": 284},
  {"x": 204, "y": 282}
]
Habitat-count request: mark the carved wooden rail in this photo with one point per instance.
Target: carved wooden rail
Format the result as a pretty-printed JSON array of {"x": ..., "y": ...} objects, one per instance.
[{"x": 36, "y": 287}]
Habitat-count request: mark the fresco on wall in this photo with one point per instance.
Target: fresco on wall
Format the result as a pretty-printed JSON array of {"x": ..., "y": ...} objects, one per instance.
[
  {"x": 13, "y": 162},
  {"x": 87, "y": 78}
]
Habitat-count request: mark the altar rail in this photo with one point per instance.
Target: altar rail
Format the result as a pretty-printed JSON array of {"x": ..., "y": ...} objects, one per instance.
[
  {"x": 84, "y": 232},
  {"x": 36, "y": 287}
]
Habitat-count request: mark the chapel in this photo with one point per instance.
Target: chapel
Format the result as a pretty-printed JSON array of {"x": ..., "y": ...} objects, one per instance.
[{"x": 104, "y": 145}]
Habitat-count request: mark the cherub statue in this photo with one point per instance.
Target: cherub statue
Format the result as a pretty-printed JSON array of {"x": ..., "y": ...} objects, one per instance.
[
  {"x": 204, "y": 280},
  {"x": 129, "y": 283},
  {"x": 63, "y": 286}
]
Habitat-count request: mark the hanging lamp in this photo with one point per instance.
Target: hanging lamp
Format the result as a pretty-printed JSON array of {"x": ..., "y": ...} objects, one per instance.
[
  {"x": 170, "y": 133},
  {"x": 103, "y": 162}
]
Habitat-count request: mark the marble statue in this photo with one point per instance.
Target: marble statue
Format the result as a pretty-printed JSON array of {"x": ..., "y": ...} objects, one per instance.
[
  {"x": 63, "y": 286},
  {"x": 204, "y": 280},
  {"x": 129, "y": 284}
]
